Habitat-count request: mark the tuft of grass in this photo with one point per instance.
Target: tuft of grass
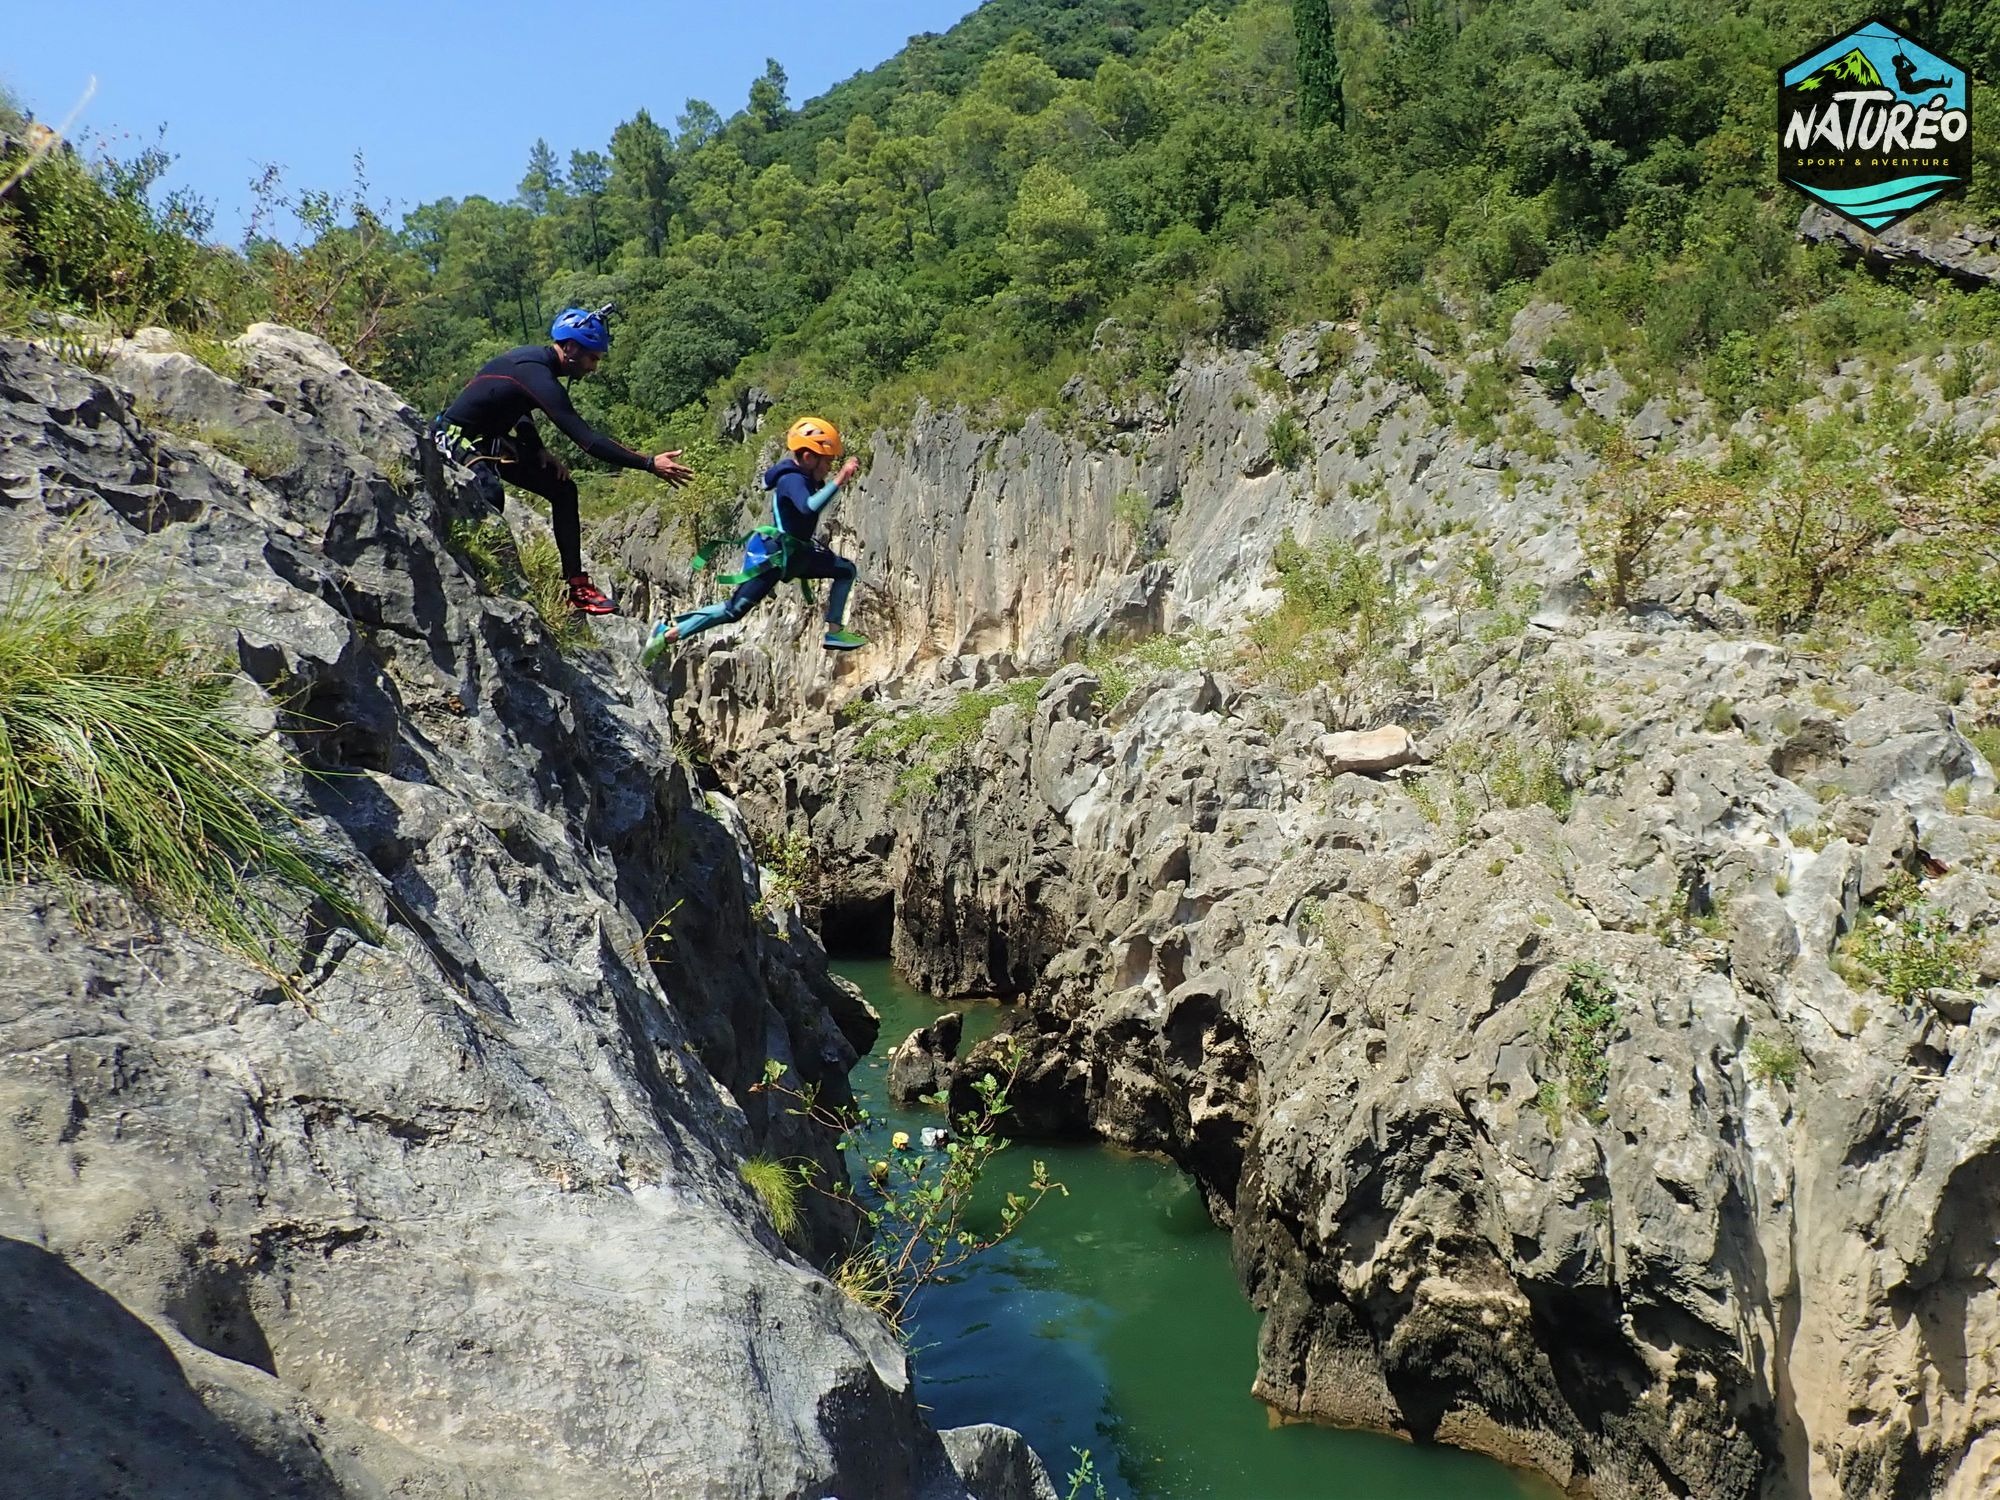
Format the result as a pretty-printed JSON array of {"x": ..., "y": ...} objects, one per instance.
[
  {"x": 121, "y": 761},
  {"x": 1986, "y": 741},
  {"x": 264, "y": 453},
  {"x": 218, "y": 354},
  {"x": 548, "y": 591},
  {"x": 1721, "y": 716},
  {"x": 489, "y": 547},
  {"x": 777, "y": 1188},
  {"x": 865, "y": 1279}
]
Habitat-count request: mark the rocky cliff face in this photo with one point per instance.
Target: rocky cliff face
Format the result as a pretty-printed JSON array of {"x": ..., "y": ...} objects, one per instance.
[
  {"x": 456, "y": 1213},
  {"x": 1552, "y": 1106}
]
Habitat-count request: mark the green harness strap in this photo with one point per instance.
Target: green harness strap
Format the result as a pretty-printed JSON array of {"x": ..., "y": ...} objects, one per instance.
[{"x": 786, "y": 542}]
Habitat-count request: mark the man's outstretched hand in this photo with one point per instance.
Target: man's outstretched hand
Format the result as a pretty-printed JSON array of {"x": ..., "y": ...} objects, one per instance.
[
  {"x": 848, "y": 470},
  {"x": 670, "y": 468}
]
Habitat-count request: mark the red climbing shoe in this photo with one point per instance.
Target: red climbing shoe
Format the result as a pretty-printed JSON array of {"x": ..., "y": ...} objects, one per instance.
[{"x": 587, "y": 598}]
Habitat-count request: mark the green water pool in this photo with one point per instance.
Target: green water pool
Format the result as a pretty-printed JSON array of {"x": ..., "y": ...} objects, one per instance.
[{"x": 1113, "y": 1324}]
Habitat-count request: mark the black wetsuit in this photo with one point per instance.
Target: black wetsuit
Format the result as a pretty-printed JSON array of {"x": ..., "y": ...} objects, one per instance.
[{"x": 491, "y": 427}]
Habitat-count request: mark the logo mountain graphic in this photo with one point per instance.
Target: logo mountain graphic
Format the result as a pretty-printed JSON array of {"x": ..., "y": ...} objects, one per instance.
[{"x": 1854, "y": 70}]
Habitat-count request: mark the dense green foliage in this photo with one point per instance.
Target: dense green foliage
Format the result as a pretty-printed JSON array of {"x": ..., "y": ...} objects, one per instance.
[
  {"x": 961, "y": 221},
  {"x": 1318, "y": 63}
]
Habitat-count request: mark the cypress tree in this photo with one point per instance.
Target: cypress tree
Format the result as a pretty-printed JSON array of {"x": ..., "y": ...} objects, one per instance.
[{"x": 1319, "y": 66}]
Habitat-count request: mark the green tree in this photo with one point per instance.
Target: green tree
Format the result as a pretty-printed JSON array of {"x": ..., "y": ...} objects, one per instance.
[
  {"x": 542, "y": 181},
  {"x": 1318, "y": 64},
  {"x": 698, "y": 124},
  {"x": 768, "y": 103},
  {"x": 640, "y": 193},
  {"x": 1054, "y": 247},
  {"x": 589, "y": 180}
]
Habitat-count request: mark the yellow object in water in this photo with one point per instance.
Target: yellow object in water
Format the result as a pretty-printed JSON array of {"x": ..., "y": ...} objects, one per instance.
[{"x": 900, "y": 1141}]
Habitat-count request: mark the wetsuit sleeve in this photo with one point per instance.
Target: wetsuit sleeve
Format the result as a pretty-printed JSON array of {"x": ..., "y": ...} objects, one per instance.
[
  {"x": 554, "y": 400},
  {"x": 822, "y": 497}
]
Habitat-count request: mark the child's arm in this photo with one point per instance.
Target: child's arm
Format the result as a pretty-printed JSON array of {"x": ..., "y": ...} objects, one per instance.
[{"x": 821, "y": 498}]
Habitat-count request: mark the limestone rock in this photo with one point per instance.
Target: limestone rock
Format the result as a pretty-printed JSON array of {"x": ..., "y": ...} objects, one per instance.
[
  {"x": 921, "y": 1064},
  {"x": 1368, "y": 752}
]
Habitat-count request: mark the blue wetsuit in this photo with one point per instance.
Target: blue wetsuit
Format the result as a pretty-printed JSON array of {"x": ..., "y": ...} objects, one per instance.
[{"x": 771, "y": 560}]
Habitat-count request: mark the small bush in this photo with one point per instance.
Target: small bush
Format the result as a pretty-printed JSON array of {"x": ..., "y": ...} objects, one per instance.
[
  {"x": 1289, "y": 445},
  {"x": 917, "y": 1205},
  {"x": 777, "y": 1187},
  {"x": 120, "y": 761},
  {"x": 1720, "y": 718},
  {"x": 1340, "y": 609},
  {"x": 1577, "y": 1033},
  {"x": 87, "y": 236},
  {"x": 1774, "y": 1061},
  {"x": 1909, "y": 947},
  {"x": 1634, "y": 510},
  {"x": 1823, "y": 523},
  {"x": 1134, "y": 515},
  {"x": 488, "y": 546}
]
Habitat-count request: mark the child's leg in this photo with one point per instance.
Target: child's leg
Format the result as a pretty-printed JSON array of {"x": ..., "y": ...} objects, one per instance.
[
  {"x": 749, "y": 594},
  {"x": 822, "y": 562}
]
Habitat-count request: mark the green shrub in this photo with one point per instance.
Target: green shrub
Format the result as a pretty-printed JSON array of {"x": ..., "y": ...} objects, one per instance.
[
  {"x": 1289, "y": 445},
  {"x": 1774, "y": 1061},
  {"x": 1133, "y": 513},
  {"x": 917, "y": 1210},
  {"x": 86, "y": 236},
  {"x": 1120, "y": 669},
  {"x": 1340, "y": 609},
  {"x": 1908, "y": 945},
  {"x": 1633, "y": 509},
  {"x": 1577, "y": 1032},
  {"x": 1822, "y": 527},
  {"x": 121, "y": 761}
]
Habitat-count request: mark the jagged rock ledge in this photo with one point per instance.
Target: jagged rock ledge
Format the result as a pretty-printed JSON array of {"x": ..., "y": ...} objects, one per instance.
[{"x": 461, "y": 1216}]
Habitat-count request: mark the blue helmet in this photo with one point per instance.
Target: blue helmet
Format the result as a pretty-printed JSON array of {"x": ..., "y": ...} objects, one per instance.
[{"x": 578, "y": 326}]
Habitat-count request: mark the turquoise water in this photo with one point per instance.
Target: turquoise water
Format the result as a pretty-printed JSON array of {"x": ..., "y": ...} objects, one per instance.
[{"x": 1112, "y": 1323}]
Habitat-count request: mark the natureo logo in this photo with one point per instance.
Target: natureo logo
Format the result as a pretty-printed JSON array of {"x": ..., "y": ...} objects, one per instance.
[{"x": 1874, "y": 126}]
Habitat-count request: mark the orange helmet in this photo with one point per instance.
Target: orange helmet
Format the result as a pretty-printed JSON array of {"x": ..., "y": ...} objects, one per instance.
[{"x": 814, "y": 434}]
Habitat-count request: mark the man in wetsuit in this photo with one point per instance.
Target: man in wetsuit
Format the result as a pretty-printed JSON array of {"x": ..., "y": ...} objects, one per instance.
[
  {"x": 802, "y": 486},
  {"x": 491, "y": 427}
]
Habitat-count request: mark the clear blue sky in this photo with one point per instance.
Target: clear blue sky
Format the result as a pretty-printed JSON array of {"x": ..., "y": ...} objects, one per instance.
[{"x": 443, "y": 100}]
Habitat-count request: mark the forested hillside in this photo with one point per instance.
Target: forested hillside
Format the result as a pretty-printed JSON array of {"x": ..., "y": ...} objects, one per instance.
[{"x": 961, "y": 222}]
